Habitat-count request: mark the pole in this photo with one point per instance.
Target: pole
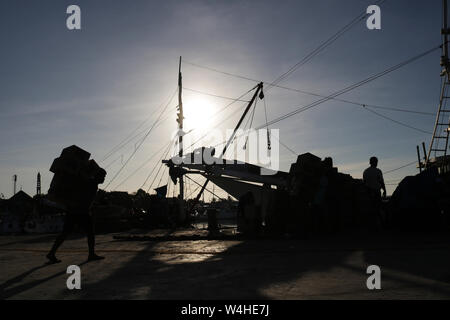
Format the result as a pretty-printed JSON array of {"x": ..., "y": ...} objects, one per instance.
[
  {"x": 424, "y": 152},
  {"x": 180, "y": 139},
  {"x": 15, "y": 183},
  {"x": 38, "y": 185},
  {"x": 444, "y": 28},
  {"x": 445, "y": 62},
  {"x": 418, "y": 158},
  {"x": 259, "y": 88}
]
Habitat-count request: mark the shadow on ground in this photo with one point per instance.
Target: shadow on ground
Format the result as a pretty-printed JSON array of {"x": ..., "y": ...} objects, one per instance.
[{"x": 260, "y": 269}]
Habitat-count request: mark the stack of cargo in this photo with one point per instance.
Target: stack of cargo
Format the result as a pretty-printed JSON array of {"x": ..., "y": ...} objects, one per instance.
[
  {"x": 421, "y": 202},
  {"x": 76, "y": 179},
  {"x": 318, "y": 200}
]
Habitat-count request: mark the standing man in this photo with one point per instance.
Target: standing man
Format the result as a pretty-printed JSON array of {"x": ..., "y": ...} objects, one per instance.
[{"x": 373, "y": 179}]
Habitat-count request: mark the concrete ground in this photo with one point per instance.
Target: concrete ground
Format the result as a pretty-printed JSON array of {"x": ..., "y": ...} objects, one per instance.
[{"x": 412, "y": 267}]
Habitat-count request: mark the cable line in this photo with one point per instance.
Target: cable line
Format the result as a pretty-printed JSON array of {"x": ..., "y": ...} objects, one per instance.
[
  {"x": 205, "y": 188},
  {"x": 143, "y": 164},
  {"x": 404, "y": 166},
  {"x": 112, "y": 162},
  {"x": 220, "y": 111},
  {"x": 195, "y": 190},
  {"x": 353, "y": 86},
  {"x": 347, "y": 89},
  {"x": 158, "y": 162},
  {"x": 220, "y": 71},
  {"x": 302, "y": 62},
  {"x": 310, "y": 93},
  {"x": 130, "y": 139},
  {"x": 142, "y": 141},
  {"x": 126, "y": 140},
  {"x": 160, "y": 166},
  {"x": 359, "y": 103},
  {"x": 213, "y": 95},
  {"x": 289, "y": 149},
  {"x": 322, "y": 46},
  {"x": 397, "y": 122}
]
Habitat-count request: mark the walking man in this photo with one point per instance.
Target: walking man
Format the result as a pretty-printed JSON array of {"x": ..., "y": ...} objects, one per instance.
[
  {"x": 78, "y": 214},
  {"x": 74, "y": 187}
]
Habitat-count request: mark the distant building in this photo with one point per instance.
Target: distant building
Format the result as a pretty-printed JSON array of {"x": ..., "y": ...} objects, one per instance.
[
  {"x": 20, "y": 203},
  {"x": 14, "y": 211}
]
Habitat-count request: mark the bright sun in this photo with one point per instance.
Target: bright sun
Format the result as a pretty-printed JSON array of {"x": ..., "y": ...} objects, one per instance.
[{"x": 199, "y": 114}]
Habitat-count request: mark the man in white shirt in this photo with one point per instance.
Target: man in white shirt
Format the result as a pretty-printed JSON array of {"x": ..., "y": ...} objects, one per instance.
[{"x": 373, "y": 179}]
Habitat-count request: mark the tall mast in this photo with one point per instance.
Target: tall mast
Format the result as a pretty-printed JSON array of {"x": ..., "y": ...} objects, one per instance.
[
  {"x": 441, "y": 132},
  {"x": 445, "y": 35},
  {"x": 180, "y": 137}
]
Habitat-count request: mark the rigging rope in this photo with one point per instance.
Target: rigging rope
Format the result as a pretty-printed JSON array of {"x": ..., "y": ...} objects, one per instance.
[
  {"x": 127, "y": 139},
  {"x": 159, "y": 162},
  {"x": 354, "y": 86},
  {"x": 322, "y": 46},
  {"x": 142, "y": 141},
  {"x": 347, "y": 89},
  {"x": 205, "y": 188},
  {"x": 143, "y": 164},
  {"x": 401, "y": 167},
  {"x": 397, "y": 122},
  {"x": 216, "y": 114},
  {"x": 213, "y": 95},
  {"x": 160, "y": 166}
]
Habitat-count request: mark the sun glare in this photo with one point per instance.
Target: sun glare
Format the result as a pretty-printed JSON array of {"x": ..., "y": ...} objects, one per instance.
[{"x": 199, "y": 114}]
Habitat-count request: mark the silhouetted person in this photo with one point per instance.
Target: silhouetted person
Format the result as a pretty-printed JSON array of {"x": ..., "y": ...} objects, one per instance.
[
  {"x": 79, "y": 214},
  {"x": 373, "y": 179},
  {"x": 75, "y": 186}
]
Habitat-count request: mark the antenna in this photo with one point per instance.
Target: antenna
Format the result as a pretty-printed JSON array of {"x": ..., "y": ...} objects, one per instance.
[
  {"x": 14, "y": 178},
  {"x": 38, "y": 185}
]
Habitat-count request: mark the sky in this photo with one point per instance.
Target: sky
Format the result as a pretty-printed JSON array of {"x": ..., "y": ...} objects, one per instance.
[{"x": 92, "y": 87}]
